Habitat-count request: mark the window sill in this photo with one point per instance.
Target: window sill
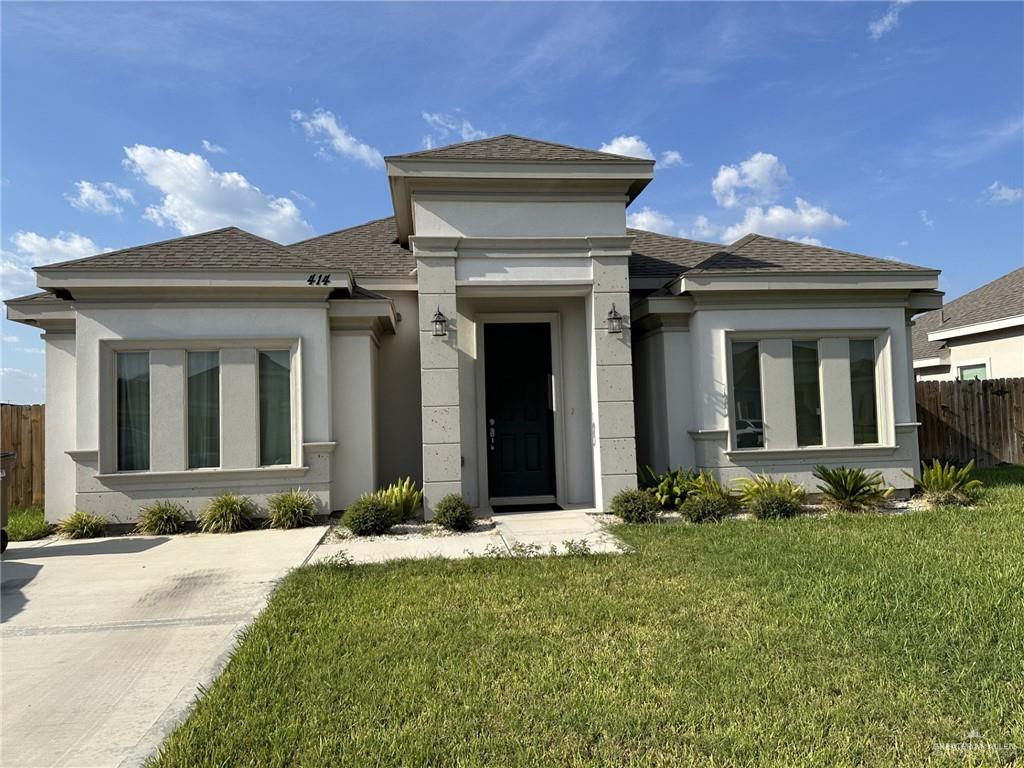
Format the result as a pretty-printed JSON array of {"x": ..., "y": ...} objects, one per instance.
[
  {"x": 812, "y": 452},
  {"x": 207, "y": 473}
]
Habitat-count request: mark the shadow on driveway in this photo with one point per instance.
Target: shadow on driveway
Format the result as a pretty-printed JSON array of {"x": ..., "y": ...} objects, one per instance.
[
  {"x": 128, "y": 545},
  {"x": 13, "y": 577}
]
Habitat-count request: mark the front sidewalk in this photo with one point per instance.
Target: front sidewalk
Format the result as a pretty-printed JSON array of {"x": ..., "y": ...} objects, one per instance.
[{"x": 512, "y": 533}]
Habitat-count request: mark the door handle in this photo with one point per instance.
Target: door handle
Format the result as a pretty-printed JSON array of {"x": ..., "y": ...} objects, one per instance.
[{"x": 491, "y": 433}]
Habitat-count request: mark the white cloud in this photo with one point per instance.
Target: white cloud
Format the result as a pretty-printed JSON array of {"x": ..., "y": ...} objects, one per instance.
[
  {"x": 101, "y": 198},
  {"x": 925, "y": 218},
  {"x": 197, "y": 198},
  {"x": 31, "y": 250},
  {"x": 652, "y": 221},
  {"x": 5, "y": 372},
  {"x": 670, "y": 157},
  {"x": 806, "y": 240},
  {"x": 447, "y": 127},
  {"x": 780, "y": 221},
  {"x": 702, "y": 229},
  {"x": 888, "y": 21},
  {"x": 755, "y": 181},
  {"x": 9, "y": 338},
  {"x": 630, "y": 146},
  {"x": 323, "y": 127},
  {"x": 904, "y": 243},
  {"x": 998, "y": 193},
  {"x": 213, "y": 149}
]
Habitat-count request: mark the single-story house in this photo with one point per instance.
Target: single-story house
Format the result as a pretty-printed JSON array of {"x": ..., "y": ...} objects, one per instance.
[
  {"x": 978, "y": 336},
  {"x": 503, "y": 335}
]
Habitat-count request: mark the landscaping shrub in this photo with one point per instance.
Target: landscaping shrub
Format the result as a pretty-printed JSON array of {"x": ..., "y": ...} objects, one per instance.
[
  {"x": 452, "y": 512},
  {"x": 769, "y": 499},
  {"x": 947, "y": 484},
  {"x": 161, "y": 518},
  {"x": 673, "y": 487},
  {"x": 292, "y": 509},
  {"x": 369, "y": 515},
  {"x": 404, "y": 498},
  {"x": 647, "y": 478},
  {"x": 228, "y": 513},
  {"x": 852, "y": 489},
  {"x": 27, "y": 523},
  {"x": 705, "y": 484},
  {"x": 82, "y": 525},
  {"x": 635, "y": 505},
  {"x": 704, "y": 509}
]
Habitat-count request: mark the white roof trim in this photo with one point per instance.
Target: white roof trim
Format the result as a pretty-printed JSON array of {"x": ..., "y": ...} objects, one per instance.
[
  {"x": 929, "y": 362},
  {"x": 970, "y": 330}
]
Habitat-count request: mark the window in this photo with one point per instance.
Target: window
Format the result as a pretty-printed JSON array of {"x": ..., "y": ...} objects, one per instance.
[
  {"x": 746, "y": 394},
  {"x": 973, "y": 372},
  {"x": 132, "y": 411},
  {"x": 807, "y": 391},
  {"x": 863, "y": 391},
  {"x": 275, "y": 407},
  {"x": 203, "y": 409}
]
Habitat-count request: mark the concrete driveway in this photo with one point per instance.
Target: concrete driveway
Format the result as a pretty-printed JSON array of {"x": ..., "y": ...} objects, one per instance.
[{"x": 104, "y": 641}]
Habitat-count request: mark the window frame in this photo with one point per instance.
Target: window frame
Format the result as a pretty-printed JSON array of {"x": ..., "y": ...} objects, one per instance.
[
  {"x": 884, "y": 396},
  {"x": 220, "y": 413},
  {"x": 293, "y": 428},
  {"x": 731, "y": 390},
  {"x": 972, "y": 363},
  {"x": 115, "y": 431}
]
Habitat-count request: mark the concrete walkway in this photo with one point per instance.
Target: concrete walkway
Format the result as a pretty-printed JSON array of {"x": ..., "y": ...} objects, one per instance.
[
  {"x": 104, "y": 642},
  {"x": 510, "y": 533}
]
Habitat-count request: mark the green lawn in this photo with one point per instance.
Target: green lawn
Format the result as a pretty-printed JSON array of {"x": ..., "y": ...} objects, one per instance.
[
  {"x": 27, "y": 523},
  {"x": 811, "y": 642}
]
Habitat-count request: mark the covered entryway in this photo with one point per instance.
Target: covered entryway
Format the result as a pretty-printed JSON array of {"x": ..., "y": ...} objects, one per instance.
[{"x": 519, "y": 409}]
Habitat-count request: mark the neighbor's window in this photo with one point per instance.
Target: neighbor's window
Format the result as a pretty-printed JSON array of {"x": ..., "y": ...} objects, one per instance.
[
  {"x": 807, "y": 392},
  {"x": 746, "y": 394},
  {"x": 203, "y": 409},
  {"x": 973, "y": 372},
  {"x": 862, "y": 388},
  {"x": 275, "y": 407},
  {"x": 132, "y": 411}
]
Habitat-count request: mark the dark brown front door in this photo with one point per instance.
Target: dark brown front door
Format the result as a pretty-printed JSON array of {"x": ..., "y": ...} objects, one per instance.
[{"x": 520, "y": 430}]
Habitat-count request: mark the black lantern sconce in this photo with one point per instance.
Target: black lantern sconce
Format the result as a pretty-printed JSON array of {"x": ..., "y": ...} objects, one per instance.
[
  {"x": 614, "y": 321},
  {"x": 440, "y": 323}
]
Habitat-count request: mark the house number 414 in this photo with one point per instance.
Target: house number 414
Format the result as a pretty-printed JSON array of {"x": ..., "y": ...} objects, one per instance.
[{"x": 319, "y": 279}]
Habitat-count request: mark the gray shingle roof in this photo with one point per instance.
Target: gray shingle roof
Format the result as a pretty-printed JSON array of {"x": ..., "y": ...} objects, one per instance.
[
  {"x": 227, "y": 248},
  {"x": 373, "y": 250},
  {"x": 997, "y": 300},
  {"x": 513, "y": 148}
]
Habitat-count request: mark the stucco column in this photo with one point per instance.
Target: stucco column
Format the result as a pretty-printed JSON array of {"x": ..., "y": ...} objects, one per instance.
[
  {"x": 439, "y": 370},
  {"x": 612, "y": 372}
]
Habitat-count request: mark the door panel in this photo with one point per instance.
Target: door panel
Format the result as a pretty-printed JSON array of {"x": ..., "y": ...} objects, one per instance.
[{"x": 521, "y": 449}]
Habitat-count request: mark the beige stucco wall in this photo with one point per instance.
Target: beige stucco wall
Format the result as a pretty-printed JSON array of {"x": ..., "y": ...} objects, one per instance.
[
  {"x": 59, "y": 468},
  {"x": 399, "y": 431},
  {"x": 468, "y": 216},
  {"x": 705, "y": 382},
  {"x": 1002, "y": 351}
]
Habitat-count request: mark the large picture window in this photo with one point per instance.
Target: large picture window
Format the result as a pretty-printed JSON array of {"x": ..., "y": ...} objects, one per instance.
[
  {"x": 863, "y": 391},
  {"x": 203, "y": 409},
  {"x": 275, "y": 407},
  {"x": 132, "y": 411},
  {"x": 748, "y": 423},
  {"x": 807, "y": 391}
]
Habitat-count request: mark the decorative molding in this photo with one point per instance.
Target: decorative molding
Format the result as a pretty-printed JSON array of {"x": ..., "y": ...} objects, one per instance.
[{"x": 853, "y": 451}]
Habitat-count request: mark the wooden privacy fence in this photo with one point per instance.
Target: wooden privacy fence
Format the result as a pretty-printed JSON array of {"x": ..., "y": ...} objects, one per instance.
[
  {"x": 964, "y": 420},
  {"x": 21, "y": 431}
]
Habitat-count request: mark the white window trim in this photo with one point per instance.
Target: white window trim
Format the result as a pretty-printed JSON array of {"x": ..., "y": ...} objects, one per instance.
[{"x": 883, "y": 388}]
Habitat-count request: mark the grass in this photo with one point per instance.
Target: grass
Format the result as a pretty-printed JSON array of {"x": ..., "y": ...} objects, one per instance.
[
  {"x": 852, "y": 640},
  {"x": 27, "y": 523}
]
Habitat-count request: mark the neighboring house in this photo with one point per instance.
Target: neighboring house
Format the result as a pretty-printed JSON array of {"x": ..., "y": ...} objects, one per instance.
[
  {"x": 503, "y": 335},
  {"x": 978, "y": 336}
]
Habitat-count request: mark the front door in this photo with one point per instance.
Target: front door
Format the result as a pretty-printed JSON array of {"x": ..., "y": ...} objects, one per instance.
[{"x": 520, "y": 429}]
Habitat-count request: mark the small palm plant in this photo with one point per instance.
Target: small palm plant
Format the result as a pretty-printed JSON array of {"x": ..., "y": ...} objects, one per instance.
[
  {"x": 404, "y": 498},
  {"x": 767, "y": 498},
  {"x": 851, "y": 489},
  {"x": 672, "y": 488},
  {"x": 292, "y": 509},
  {"x": 228, "y": 513},
  {"x": 161, "y": 518},
  {"x": 707, "y": 499},
  {"x": 947, "y": 484},
  {"x": 82, "y": 525}
]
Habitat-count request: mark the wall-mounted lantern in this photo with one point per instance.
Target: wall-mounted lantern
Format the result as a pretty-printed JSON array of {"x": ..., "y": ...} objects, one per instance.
[
  {"x": 440, "y": 323},
  {"x": 614, "y": 321}
]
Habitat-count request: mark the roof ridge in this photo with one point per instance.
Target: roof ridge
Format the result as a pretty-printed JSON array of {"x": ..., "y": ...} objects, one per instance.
[
  {"x": 674, "y": 237},
  {"x": 518, "y": 137},
  {"x": 879, "y": 259},
  {"x": 971, "y": 294}
]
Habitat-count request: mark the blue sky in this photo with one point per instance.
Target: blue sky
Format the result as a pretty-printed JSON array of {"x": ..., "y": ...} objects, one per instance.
[{"x": 891, "y": 129}]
